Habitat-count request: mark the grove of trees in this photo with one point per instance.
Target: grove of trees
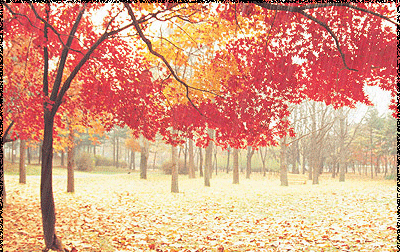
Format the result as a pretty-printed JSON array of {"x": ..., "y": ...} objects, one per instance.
[{"x": 228, "y": 75}]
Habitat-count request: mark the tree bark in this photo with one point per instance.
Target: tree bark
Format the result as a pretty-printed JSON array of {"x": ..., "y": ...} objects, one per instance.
[
  {"x": 283, "y": 163},
  {"x": 315, "y": 155},
  {"x": 70, "y": 162},
  {"x": 174, "y": 172},
  {"x": 13, "y": 152},
  {"x": 28, "y": 155},
  {"x": 208, "y": 160},
  {"x": 62, "y": 158},
  {"x": 133, "y": 166},
  {"x": 144, "y": 155},
  {"x": 3, "y": 185},
  {"x": 117, "y": 153},
  {"x": 191, "y": 160},
  {"x": 263, "y": 159},
  {"x": 22, "y": 167},
  {"x": 250, "y": 152},
  {"x": 342, "y": 165},
  {"x": 235, "y": 168},
  {"x": 46, "y": 183},
  {"x": 227, "y": 161},
  {"x": 201, "y": 162}
]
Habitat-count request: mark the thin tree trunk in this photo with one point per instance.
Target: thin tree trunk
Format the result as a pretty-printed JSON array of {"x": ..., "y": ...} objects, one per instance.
[
  {"x": 133, "y": 166},
  {"x": 22, "y": 167},
  {"x": 372, "y": 167},
  {"x": 215, "y": 161},
  {"x": 208, "y": 160},
  {"x": 235, "y": 167},
  {"x": 28, "y": 150},
  {"x": 62, "y": 158},
  {"x": 191, "y": 160},
  {"x": 70, "y": 162},
  {"x": 227, "y": 161},
  {"x": 144, "y": 155},
  {"x": 342, "y": 168},
  {"x": 174, "y": 172},
  {"x": 13, "y": 152},
  {"x": 201, "y": 162},
  {"x": 154, "y": 160},
  {"x": 250, "y": 152},
  {"x": 314, "y": 148},
  {"x": 263, "y": 159},
  {"x": 283, "y": 163},
  {"x": 117, "y": 153},
  {"x": 113, "y": 144},
  {"x": 3, "y": 188}
]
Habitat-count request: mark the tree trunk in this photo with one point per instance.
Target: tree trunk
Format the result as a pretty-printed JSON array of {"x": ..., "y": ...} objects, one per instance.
[
  {"x": 235, "y": 166},
  {"x": 117, "y": 153},
  {"x": 3, "y": 188},
  {"x": 201, "y": 162},
  {"x": 154, "y": 160},
  {"x": 372, "y": 167},
  {"x": 314, "y": 171},
  {"x": 144, "y": 155},
  {"x": 227, "y": 161},
  {"x": 250, "y": 153},
  {"x": 133, "y": 166},
  {"x": 283, "y": 163},
  {"x": 263, "y": 159},
  {"x": 174, "y": 172},
  {"x": 28, "y": 150},
  {"x": 13, "y": 152},
  {"x": 22, "y": 167},
  {"x": 40, "y": 153},
  {"x": 46, "y": 185},
  {"x": 70, "y": 162},
  {"x": 342, "y": 168},
  {"x": 208, "y": 160},
  {"x": 191, "y": 160},
  {"x": 62, "y": 159}
]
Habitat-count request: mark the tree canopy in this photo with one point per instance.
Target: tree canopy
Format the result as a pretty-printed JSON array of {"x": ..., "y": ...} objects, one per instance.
[{"x": 182, "y": 68}]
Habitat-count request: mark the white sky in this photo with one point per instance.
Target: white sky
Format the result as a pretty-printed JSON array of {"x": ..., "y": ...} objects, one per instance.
[{"x": 380, "y": 99}]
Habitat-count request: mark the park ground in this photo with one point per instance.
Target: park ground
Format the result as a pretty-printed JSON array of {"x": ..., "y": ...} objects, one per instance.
[{"x": 120, "y": 212}]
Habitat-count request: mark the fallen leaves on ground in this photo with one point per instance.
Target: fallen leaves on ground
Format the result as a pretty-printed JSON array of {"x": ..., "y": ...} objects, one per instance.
[{"x": 124, "y": 213}]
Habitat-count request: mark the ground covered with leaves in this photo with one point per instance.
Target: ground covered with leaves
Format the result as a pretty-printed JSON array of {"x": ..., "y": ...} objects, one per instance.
[{"x": 120, "y": 212}]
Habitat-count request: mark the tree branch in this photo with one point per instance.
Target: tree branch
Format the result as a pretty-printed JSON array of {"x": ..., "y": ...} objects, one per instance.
[
  {"x": 333, "y": 36},
  {"x": 64, "y": 55},
  {"x": 150, "y": 47},
  {"x": 4, "y": 138},
  {"x": 300, "y": 10}
]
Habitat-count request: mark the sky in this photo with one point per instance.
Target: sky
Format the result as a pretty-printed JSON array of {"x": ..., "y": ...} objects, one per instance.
[{"x": 380, "y": 99}]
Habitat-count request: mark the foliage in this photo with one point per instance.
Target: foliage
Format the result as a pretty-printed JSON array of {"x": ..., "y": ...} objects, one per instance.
[
  {"x": 256, "y": 215},
  {"x": 102, "y": 161},
  {"x": 275, "y": 54},
  {"x": 167, "y": 167},
  {"x": 84, "y": 162}
]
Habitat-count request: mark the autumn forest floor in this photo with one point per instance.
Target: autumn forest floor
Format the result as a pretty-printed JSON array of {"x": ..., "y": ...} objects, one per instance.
[{"x": 120, "y": 212}]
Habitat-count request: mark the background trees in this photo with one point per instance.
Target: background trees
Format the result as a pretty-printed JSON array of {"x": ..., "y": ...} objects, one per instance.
[{"x": 285, "y": 54}]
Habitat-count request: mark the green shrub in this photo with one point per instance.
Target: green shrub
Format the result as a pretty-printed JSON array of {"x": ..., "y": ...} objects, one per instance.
[
  {"x": 103, "y": 161},
  {"x": 167, "y": 167},
  {"x": 391, "y": 177},
  {"x": 84, "y": 162}
]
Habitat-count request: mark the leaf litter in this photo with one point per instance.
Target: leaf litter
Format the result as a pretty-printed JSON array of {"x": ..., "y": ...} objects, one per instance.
[{"x": 123, "y": 213}]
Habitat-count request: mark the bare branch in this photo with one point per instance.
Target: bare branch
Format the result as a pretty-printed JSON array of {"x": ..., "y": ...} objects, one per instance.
[
  {"x": 150, "y": 47},
  {"x": 333, "y": 36}
]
